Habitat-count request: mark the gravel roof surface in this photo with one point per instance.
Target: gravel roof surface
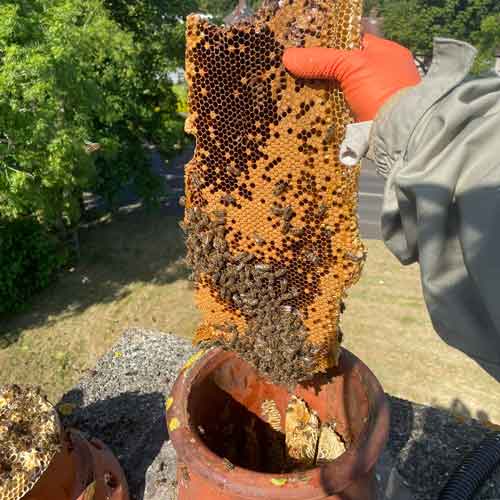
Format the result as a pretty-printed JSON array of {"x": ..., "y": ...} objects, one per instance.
[{"x": 122, "y": 402}]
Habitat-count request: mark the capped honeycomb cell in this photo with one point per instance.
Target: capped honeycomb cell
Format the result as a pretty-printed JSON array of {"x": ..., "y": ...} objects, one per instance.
[
  {"x": 270, "y": 221},
  {"x": 29, "y": 439}
]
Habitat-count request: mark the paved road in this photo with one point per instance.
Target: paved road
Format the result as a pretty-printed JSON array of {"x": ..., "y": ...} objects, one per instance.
[
  {"x": 370, "y": 198},
  {"x": 371, "y": 192}
]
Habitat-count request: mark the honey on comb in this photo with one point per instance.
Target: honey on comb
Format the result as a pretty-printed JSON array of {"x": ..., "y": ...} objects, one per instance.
[{"x": 271, "y": 225}]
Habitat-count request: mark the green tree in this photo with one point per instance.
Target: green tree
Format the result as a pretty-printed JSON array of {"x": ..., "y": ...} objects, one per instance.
[
  {"x": 75, "y": 108},
  {"x": 415, "y": 23},
  {"x": 221, "y": 8},
  {"x": 30, "y": 257},
  {"x": 488, "y": 40},
  {"x": 369, "y": 5},
  {"x": 58, "y": 77},
  {"x": 158, "y": 31}
]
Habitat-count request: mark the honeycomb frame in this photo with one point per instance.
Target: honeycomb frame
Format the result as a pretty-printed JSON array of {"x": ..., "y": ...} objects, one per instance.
[{"x": 271, "y": 213}]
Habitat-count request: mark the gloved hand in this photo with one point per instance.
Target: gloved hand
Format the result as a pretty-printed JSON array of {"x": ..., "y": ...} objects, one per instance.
[{"x": 368, "y": 76}]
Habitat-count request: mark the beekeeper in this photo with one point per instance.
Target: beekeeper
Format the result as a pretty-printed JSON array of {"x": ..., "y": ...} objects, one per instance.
[{"x": 436, "y": 140}]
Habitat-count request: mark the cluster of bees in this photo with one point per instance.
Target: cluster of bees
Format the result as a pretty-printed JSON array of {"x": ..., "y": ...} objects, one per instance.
[
  {"x": 275, "y": 341},
  {"x": 271, "y": 214},
  {"x": 29, "y": 439}
]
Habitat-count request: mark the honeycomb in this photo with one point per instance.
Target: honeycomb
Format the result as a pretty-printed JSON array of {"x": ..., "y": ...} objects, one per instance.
[
  {"x": 330, "y": 445},
  {"x": 270, "y": 219},
  {"x": 272, "y": 415},
  {"x": 302, "y": 433},
  {"x": 29, "y": 439}
]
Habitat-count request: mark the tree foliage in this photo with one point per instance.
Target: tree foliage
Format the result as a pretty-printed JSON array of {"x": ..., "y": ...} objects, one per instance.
[
  {"x": 221, "y": 8},
  {"x": 488, "y": 40},
  {"x": 81, "y": 89},
  {"x": 30, "y": 258},
  {"x": 158, "y": 31},
  {"x": 83, "y": 86},
  {"x": 415, "y": 23}
]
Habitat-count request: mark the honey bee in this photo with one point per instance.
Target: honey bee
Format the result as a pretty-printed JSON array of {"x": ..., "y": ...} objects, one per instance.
[
  {"x": 288, "y": 213},
  {"x": 291, "y": 351},
  {"x": 219, "y": 244},
  {"x": 275, "y": 210},
  {"x": 234, "y": 171},
  {"x": 329, "y": 134},
  {"x": 286, "y": 227},
  {"x": 258, "y": 282},
  {"x": 227, "y": 198},
  {"x": 110, "y": 481},
  {"x": 322, "y": 210},
  {"x": 254, "y": 80},
  {"x": 263, "y": 267},
  {"x": 240, "y": 256},
  {"x": 223, "y": 279},
  {"x": 219, "y": 214},
  {"x": 270, "y": 278},
  {"x": 298, "y": 232},
  {"x": 280, "y": 188},
  {"x": 185, "y": 473},
  {"x": 207, "y": 239},
  {"x": 230, "y": 282},
  {"x": 313, "y": 257},
  {"x": 204, "y": 221},
  {"x": 260, "y": 241},
  {"x": 196, "y": 180},
  {"x": 280, "y": 273},
  {"x": 360, "y": 256},
  {"x": 249, "y": 311},
  {"x": 242, "y": 286},
  {"x": 248, "y": 258}
]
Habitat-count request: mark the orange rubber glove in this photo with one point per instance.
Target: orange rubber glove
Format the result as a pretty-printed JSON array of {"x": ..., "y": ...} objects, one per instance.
[{"x": 368, "y": 76}]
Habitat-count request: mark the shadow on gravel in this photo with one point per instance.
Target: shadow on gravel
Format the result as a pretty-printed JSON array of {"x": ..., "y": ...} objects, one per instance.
[
  {"x": 427, "y": 444},
  {"x": 132, "y": 425}
]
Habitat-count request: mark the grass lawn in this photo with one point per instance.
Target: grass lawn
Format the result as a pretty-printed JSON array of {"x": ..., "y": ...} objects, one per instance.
[{"x": 132, "y": 274}]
